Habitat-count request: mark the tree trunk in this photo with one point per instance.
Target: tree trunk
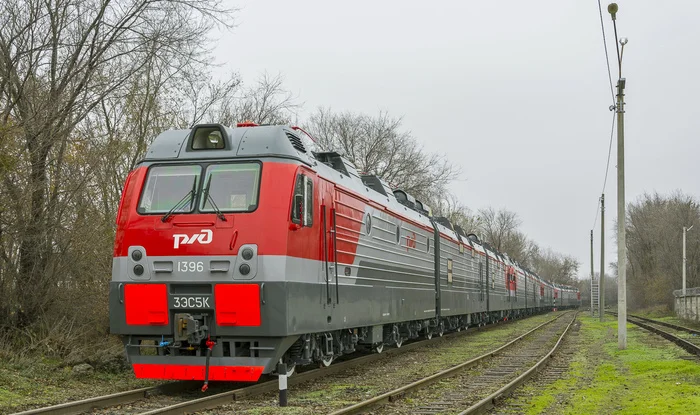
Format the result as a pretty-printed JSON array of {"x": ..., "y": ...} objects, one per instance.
[{"x": 33, "y": 284}]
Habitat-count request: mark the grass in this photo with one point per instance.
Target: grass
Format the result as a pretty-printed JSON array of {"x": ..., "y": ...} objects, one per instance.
[
  {"x": 30, "y": 383},
  {"x": 649, "y": 377}
]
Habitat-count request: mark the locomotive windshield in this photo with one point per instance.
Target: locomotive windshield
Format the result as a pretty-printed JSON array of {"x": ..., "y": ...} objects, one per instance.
[
  {"x": 233, "y": 187},
  {"x": 166, "y": 186}
]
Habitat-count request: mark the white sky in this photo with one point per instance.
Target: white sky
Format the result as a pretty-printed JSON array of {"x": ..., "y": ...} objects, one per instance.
[{"x": 514, "y": 92}]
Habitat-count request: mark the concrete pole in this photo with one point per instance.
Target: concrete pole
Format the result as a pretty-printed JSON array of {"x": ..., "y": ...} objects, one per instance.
[
  {"x": 684, "y": 231},
  {"x": 601, "y": 282},
  {"x": 621, "y": 219},
  {"x": 592, "y": 275}
]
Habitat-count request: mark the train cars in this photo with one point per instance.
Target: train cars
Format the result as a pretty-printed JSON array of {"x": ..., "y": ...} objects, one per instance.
[{"x": 239, "y": 248}]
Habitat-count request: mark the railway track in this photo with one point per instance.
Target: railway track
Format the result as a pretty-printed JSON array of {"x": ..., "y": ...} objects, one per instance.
[
  {"x": 476, "y": 384},
  {"x": 143, "y": 400},
  {"x": 114, "y": 399},
  {"x": 686, "y": 338}
]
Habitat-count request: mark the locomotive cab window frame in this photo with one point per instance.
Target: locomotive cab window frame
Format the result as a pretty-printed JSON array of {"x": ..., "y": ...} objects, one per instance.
[
  {"x": 165, "y": 185},
  {"x": 234, "y": 187},
  {"x": 303, "y": 201},
  {"x": 197, "y": 184}
]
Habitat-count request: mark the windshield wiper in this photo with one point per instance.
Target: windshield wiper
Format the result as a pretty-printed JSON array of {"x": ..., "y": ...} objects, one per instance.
[
  {"x": 207, "y": 197},
  {"x": 191, "y": 195}
]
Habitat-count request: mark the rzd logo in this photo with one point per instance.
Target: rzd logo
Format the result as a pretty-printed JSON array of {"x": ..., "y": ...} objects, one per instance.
[{"x": 203, "y": 238}]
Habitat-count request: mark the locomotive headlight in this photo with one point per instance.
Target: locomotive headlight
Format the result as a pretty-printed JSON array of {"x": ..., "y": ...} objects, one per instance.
[
  {"x": 247, "y": 254},
  {"x": 214, "y": 137},
  {"x": 244, "y": 269},
  {"x": 138, "y": 269},
  {"x": 136, "y": 255}
]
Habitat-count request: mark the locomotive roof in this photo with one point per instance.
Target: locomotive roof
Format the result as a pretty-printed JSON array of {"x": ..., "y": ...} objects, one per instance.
[{"x": 260, "y": 141}]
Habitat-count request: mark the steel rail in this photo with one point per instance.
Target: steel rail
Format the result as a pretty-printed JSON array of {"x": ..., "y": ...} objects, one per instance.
[
  {"x": 396, "y": 393},
  {"x": 491, "y": 400},
  {"x": 684, "y": 344},
  {"x": 228, "y": 397},
  {"x": 671, "y": 325},
  {"x": 119, "y": 398},
  {"x": 126, "y": 397}
]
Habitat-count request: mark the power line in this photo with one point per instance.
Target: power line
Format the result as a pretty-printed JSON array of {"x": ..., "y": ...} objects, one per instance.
[
  {"x": 607, "y": 168},
  {"x": 605, "y": 45},
  {"x": 607, "y": 165},
  {"x": 612, "y": 107}
]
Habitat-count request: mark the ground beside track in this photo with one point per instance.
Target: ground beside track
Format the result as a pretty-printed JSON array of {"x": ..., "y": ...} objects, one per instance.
[
  {"x": 29, "y": 383},
  {"x": 356, "y": 384},
  {"x": 653, "y": 376}
]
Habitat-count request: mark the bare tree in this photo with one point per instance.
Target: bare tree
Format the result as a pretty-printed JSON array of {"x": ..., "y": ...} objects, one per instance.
[
  {"x": 59, "y": 61},
  {"x": 520, "y": 248},
  {"x": 457, "y": 213},
  {"x": 265, "y": 102},
  {"x": 377, "y": 144},
  {"x": 556, "y": 267},
  {"x": 654, "y": 245},
  {"x": 497, "y": 226}
]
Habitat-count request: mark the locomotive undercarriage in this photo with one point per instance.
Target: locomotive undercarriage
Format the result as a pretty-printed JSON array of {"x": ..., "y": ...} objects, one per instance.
[
  {"x": 191, "y": 342},
  {"x": 323, "y": 348}
]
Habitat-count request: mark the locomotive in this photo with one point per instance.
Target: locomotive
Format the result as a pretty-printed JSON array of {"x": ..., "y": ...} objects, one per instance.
[{"x": 241, "y": 252}]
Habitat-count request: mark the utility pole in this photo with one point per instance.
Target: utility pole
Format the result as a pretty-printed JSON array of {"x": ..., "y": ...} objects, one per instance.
[
  {"x": 601, "y": 281},
  {"x": 685, "y": 230},
  {"x": 594, "y": 286},
  {"x": 621, "y": 216}
]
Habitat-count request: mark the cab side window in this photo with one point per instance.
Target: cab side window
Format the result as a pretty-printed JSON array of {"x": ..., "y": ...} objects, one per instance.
[{"x": 302, "y": 202}]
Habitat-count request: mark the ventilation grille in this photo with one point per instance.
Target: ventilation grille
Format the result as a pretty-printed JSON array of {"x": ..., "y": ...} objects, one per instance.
[{"x": 296, "y": 142}]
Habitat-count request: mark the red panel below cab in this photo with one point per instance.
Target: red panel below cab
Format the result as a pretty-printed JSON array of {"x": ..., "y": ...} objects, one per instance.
[
  {"x": 237, "y": 304},
  {"x": 189, "y": 372},
  {"x": 146, "y": 304}
]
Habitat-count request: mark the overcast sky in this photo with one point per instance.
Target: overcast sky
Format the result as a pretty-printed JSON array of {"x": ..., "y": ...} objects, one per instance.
[{"x": 514, "y": 92}]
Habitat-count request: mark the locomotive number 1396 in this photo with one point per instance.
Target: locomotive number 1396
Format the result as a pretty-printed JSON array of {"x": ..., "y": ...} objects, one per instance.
[{"x": 190, "y": 266}]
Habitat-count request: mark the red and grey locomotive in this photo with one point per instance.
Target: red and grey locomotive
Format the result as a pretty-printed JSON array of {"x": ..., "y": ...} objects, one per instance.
[{"x": 239, "y": 248}]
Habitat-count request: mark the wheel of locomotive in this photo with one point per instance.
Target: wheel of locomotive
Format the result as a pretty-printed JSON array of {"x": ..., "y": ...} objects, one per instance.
[
  {"x": 459, "y": 328},
  {"x": 399, "y": 342},
  {"x": 441, "y": 330},
  {"x": 326, "y": 361},
  {"x": 428, "y": 334},
  {"x": 379, "y": 347}
]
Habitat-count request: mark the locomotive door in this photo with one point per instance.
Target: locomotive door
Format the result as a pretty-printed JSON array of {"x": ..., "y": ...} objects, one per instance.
[{"x": 329, "y": 242}]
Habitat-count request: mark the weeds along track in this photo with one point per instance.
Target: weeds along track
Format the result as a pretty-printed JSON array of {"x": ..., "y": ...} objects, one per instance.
[
  {"x": 114, "y": 399},
  {"x": 475, "y": 385},
  {"x": 177, "y": 397},
  {"x": 686, "y": 338},
  {"x": 519, "y": 402}
]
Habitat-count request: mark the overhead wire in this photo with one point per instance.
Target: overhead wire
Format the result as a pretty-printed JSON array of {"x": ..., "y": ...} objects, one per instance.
[
  {"x": 607, "y": 169},
  {"x": 612, "y": 96},
  {"x": 605, "y": 46}
]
